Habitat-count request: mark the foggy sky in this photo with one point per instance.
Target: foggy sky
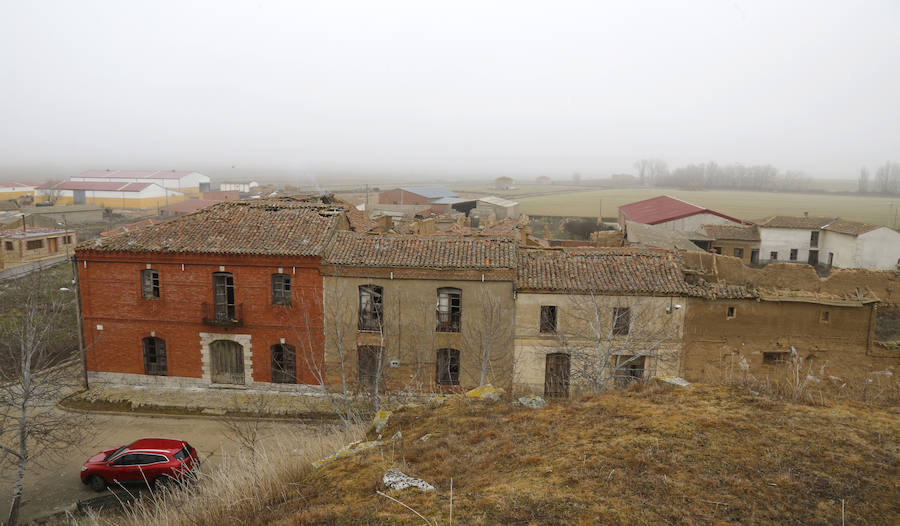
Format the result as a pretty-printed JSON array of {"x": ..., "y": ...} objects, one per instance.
[{"x": 457, "y": 87}]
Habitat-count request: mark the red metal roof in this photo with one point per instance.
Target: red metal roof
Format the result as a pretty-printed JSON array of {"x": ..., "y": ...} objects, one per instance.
[
  {"x": 135, "y": 174},
  {"x": 107, "y": 186},
  {"x": 665, "y": 208}
]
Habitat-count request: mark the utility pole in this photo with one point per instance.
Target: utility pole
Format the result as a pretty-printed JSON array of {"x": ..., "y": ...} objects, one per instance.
[{"x": 367, "y": 199}]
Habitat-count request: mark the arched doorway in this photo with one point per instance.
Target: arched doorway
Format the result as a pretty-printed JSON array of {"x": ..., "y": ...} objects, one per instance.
[{"x": 227, "y": 360}]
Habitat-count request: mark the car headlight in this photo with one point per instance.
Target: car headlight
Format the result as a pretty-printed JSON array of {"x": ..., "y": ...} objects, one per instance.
[{"x": 83, "y": 468}]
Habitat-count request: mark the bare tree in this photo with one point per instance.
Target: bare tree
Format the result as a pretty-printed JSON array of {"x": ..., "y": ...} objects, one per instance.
[
  {"x": 863, "y": 180},
  {"x": 618, "y": 339},
  {"x": 649, "y": 170},
  {"x": 36, "y": 371},
  {"x": 490, "y": 336}
]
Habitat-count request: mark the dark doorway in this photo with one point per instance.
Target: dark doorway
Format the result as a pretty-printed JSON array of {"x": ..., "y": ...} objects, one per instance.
[
  {"x": 629, "y": 369},
  {"x": 370, "y": 365},
  {"x": 556, "y": 376},
  {"x": 814, "y": 256},
  {"x": 227, "y": 358},
  {"x": 754, "y": 256},
  {"x": 284, "y": 364}
]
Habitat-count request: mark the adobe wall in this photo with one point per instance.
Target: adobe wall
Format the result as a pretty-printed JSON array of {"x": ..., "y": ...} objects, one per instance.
[
  {"x": 885, "y": 284},
  {"x": 117, "y": 317},
  {"x": 713, "y": 343},
  {"x": 728, "y": 247}
]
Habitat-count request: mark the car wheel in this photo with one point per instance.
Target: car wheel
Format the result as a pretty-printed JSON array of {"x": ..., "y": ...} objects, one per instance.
[
  {"x": 96, "y": 483},
  {"x": 162, "y": 481}
]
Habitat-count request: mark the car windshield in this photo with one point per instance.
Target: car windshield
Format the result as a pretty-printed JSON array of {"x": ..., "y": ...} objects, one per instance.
[
  {"x": 182, "y": 454},
  {"x": 114, "y": 453}
]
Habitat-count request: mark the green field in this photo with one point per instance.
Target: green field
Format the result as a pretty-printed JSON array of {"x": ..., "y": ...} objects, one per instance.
[{"x": 744, "y": 205}]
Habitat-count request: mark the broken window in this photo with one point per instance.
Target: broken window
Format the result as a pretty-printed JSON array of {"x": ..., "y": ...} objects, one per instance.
[
  {"x": 284, "y": 364},
  {"x": 150, "y": 284},
  {"x": 34, "y": 244},
  {"x": 825, "y": 316},
  {"x": 628, "y": 369},
  {"x": 730, "y": 313},
  {"x": 223, "y": 296},
  {"x": 773, "y": 255},
  {"x": 776, "y": 358},
  {"x": 717, "y": 250},
  {"x": 794, "y": 254},
  {"x": 621, "y": 321},
  {"x": 739, "y": 253},
  {"x": 814, "y": 238},
  {"x": 371, "y": 307},
  {"x": 447, "y": 367},
  {"x": 449, "y": 310},
  {"x": 155, "y": 356},
  {"x": 548, "y": 318},
  {"x": 9, "y": 245},
  {"x": 281, "y": 289}
]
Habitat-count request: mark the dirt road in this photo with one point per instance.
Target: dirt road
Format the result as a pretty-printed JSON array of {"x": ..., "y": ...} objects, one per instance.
[{"x": 56, "y": 484}]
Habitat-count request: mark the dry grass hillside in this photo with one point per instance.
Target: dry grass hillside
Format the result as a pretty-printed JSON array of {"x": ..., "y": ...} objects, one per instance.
[
  {"x": 697, "y": 455},
  {"x": 649, "y": 455}
]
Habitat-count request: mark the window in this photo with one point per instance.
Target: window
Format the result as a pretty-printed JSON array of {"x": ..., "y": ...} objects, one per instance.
[
  {"x": 449, "y": 310},
  {"x": 447, "y": 367},
  {"x": 9, "y": 245},
  {"x": 739, "y": 253},
  {"x": 794, "y": 254},
  {"x": 284, "y": 364},
  {"x": 814, "y": 238},
  {"x": 34, "y": 244},
  {"x": 629, "y": 369},
  {"x": 754, "y": 256},
  {"x": 150, "y": 284},
  {"x": 223, "y": 296},
  {"x": 155, "y": 356},
  {"x": 717, "y": 250},
  {"x": 548, "y": 318},
  {"x": 825, "y": 316},
  {"x": 773, "y": 255},
  {"x": 730, "y": 313},
  {"x": 775, "y": 358},
  {"x": 281, "y": 289},
  {"x": 149, "y": 458},
  {"x": 68, "y": 240},
  {"x": 371, "y": 306},
  {"x": 132, "y": 459},
  {"x": 621, "y": 321}
]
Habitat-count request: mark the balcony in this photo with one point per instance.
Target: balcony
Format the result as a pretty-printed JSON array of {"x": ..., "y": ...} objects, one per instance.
[{"x": 223, "y": 315}]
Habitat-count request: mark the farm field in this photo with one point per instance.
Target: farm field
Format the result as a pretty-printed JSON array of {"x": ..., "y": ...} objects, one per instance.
[{"x": 744, "y": 205}]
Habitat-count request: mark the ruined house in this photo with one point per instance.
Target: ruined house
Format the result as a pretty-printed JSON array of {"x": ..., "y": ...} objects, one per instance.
[{"x": 419, "y": 312}]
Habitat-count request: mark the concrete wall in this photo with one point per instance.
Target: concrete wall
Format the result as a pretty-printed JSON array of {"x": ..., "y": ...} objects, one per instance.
[
  {"x": 652, "y": 327},
  {"x": 409, "y": 335},
  {"x": 879, "y": 249},
  {"x": 715, "y": 343},
  {"x": 117, "y": 317},
  {"x": 782, "y": 240},
  {"x": 692, "y": 223}
]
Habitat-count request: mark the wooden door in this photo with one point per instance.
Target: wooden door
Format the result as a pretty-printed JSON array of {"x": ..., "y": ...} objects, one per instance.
[
  {"x": 370, "y": 365},
  {"x": 227, "y": 358},
  {"x": 556, "y": 376},
  {"x": 51, "y": 244}
]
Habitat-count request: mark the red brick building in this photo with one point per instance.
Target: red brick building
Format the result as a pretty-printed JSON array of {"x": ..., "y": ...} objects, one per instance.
[
  {"x": 231, "y": 295},
  {"x": 414, "y": 195}
]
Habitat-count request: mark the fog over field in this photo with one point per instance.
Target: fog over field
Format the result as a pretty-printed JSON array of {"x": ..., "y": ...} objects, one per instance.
[{"x": 449, "y": 89}]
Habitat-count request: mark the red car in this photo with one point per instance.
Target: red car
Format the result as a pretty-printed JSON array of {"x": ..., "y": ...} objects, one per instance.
[{"x": 148, "y": 461}]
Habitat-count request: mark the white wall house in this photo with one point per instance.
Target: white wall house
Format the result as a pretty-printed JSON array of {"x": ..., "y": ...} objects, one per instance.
[
  {"x": 244, "y": 188},
  {"x": 828, "y": 241},
  {"x": 859, "y": 245}
]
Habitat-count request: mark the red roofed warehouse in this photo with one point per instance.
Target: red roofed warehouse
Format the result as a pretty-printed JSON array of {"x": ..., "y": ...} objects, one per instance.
[
  {"x": 228, "y": 295},
  {"x": 672, "y": 213}
]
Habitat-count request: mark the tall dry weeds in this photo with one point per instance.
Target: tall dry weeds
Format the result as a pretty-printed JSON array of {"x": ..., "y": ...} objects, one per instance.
[{"x": 242, "y": 489}]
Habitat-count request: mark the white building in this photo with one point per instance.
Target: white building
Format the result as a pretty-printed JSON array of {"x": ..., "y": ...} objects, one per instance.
[
  {"x": 110, "y": 194},
  {"x": 502, "y": 207},
  {"x": 179, "y": 180},
  {"x": 828, "y": 241},
  {"x": 243, "y": 188}
]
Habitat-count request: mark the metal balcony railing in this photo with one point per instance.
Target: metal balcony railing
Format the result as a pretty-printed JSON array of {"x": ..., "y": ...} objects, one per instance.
[{"x": 223, "y": 315}]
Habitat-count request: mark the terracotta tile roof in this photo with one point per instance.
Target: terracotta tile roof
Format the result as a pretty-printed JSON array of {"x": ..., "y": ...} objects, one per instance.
[
  {"x": 665, "y": 208},
  {"x": 732, "y": 232},
  {"x": 130, "y": 227},
  {"x": 283, "y": 226},
  {"x": 190, "y": 205},
  {"x": 359, "y": 220},
  {"x": 853, "y": 228},
  {"x": 433, "y": 252},
  {"x": 602, "y": 271},
  {"x": 801, "y": 222}
]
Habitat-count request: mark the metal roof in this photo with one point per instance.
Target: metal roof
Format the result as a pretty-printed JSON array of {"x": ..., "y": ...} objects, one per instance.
[
  {"x": 498, "y": 201},
  {"x": 665, "y": 208}
]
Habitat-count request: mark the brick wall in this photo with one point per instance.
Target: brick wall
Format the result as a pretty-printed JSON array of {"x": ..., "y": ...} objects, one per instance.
[
  {"x": 111, "y": 298},
  {"x": 401, "y": 197}
]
